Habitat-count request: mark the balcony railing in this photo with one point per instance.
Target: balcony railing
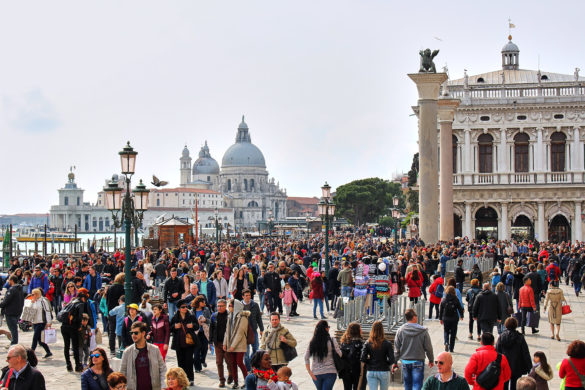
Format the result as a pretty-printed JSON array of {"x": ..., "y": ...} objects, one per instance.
[{"x": 518, "y": 178}]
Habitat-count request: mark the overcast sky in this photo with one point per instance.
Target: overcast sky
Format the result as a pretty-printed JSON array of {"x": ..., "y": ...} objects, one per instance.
[{"x": 323, "y": 84}]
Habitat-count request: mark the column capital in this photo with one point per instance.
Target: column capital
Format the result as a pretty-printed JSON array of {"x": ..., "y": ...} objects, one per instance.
[
  {"x": 446, "y": 108},
  {"x": 428, "y": 84}
]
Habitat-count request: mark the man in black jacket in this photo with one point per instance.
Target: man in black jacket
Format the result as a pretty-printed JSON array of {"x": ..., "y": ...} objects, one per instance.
[
  {"x": 172, "y": 290},
  {"x": 486, "y": 309},
  {"x": 12, "y": 305},
  {"x": 216, "y": 335},
  {"x": 70, "y": 328},
  {"x": 459, "y": 275},
  {"x": 273, "y": 289},
  {"x": 333, "y": 285},
  {"x": 115, "y": 291},
  {"x": 29, "y": 378},
  {"x": 254, "y": 322}
]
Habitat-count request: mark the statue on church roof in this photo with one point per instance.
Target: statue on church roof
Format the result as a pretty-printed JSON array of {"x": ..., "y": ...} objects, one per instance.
[{"x": 426, "y": 61}]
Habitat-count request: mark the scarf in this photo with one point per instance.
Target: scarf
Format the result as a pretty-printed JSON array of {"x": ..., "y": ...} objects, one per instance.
[
  {"x": 272, "y": 339},
  {"x": 266, "y": 374}
]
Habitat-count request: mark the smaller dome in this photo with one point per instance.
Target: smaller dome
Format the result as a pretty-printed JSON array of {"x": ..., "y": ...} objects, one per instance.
[
  {"x": 510, "y": 46},
  {"x": 243, "y": 125},
  {"x": 185, "y": 153},
  {"x": 205, "y": 164}
]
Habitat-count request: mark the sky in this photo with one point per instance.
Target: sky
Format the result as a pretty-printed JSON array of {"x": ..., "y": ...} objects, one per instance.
[{"x": 323, "y": 84}]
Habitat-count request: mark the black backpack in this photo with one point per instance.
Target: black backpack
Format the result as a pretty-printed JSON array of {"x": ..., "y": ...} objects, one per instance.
[
  {"x": 450, "y": 308},
  {"x": 490, "y": 376},
  {"x": 67, "y": 315}
]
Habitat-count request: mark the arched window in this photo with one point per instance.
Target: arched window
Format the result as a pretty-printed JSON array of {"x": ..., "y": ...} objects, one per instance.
[
  {"x": 229, "y": 184},
  {"x": 485, "y": 142},
  {"x": 251, "y": 184},
  {"x": 158, "y": 203},
  {"x": 454, "y": 154},
  {"x": 78, "y": 201},
  {"x": 245, "y": 184},
  {"x": 557, "y": 151},
  {"x": 252, "y": 204},
  {"x": 521, "y": 152},
  {"x": 66, "y": 201}
]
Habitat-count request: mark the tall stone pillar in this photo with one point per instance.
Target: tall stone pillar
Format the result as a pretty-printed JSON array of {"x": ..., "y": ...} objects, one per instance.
[
  {"x": 428, "y": 85},
  {"x": 578, "y": 222},
  {"x": 467, "y": 226},
  {"x": 504, "y": 235},
  {"x": 541, "y": 223},
  {"x": 447, "y": 107}
]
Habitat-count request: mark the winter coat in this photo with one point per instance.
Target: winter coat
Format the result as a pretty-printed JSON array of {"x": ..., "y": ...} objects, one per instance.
[
  {"x": 554, "y": 298},
  {"x": 13, "y": 301},
  {"x": 537, "y": 373},
  {"x": 160, "y": 330},
  {"x": 317, "y": 289},
  {"x": 236, "y": 332},
  {"x": 414, "y": 285},
  {"x": 504, "y": 302},
  {"x": 526, "y": 297},
  {"x": 90, "y": 380},
  {"x": 512, "y": 344},
  {"x": 433, "y": 288},
  {"x": 451, "y": 317},
  {"x": 486, "y": 307},
  {"x": 483, "y": 356},
  {"x": 470, "y": 297},
  {"x": 351, "y": 352},
  {"x": 157, "y": 367},
  {"x": 289, "y": 297},
  {"x": 271, "y": 343},
  {"x": 179, "y": 335}
]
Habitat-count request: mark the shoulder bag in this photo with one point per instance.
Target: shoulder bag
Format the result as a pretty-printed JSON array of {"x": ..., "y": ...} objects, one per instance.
[
  {"x": 340, "y": 364},
  {"x": 581, "y": 377},
  {"x": 289, "y": 352},
  {"x": 188, "y": 338},
  {"x": 490, "y": 376}
]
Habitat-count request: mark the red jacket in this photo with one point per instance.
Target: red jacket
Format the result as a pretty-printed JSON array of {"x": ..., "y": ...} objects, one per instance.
[
  {"x": 556, "y": 269},
  {"x": 414, "y": 285},
  {"x": 526, "y": 297},
  {"x": 432, "y": 289},
  {"x": 483, "y": 356},
  {"x": 317, "y": 289},
  {"x": 566, "y": 371}
]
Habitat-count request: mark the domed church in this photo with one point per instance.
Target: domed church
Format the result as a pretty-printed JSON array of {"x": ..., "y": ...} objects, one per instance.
[{"x": 242, "y": 180}]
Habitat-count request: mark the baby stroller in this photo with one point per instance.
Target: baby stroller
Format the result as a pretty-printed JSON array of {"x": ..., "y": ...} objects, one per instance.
[
  {"x": 27, "y": 316},
  {"x": 25, "y": 326}
]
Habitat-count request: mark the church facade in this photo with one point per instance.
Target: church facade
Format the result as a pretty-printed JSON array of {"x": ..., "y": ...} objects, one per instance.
[
  {"x": 242, "y": 180},
  {"x": 519, "y": 153}
]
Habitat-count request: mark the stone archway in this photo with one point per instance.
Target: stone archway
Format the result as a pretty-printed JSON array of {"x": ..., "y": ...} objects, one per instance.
[
  {"x": 522, "y": 228},
  {"x": 457, "y": 226},
  {"x": 559, "y": 229},
  {"x": 486, "y": 223}
]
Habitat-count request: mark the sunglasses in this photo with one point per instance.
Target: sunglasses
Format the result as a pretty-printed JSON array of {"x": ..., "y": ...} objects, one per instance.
[
  {"x": 439, "y": 363},
  {"x": 95, "y": 355},
  {"x": 134, "y": 333},
  {"x": 183, "y": 307}
]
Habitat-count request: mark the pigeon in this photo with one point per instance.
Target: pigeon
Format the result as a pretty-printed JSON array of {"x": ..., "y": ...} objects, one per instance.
[{"x": 158, "y": 183}]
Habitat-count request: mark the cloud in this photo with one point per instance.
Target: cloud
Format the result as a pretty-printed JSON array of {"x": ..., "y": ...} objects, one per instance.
[{"x": 31, "y": 112}]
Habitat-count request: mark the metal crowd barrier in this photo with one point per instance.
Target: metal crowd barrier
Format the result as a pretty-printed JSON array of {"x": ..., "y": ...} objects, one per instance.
[
  {"x": 485, "y": 263},
  {"x": 391, "y": 315}
]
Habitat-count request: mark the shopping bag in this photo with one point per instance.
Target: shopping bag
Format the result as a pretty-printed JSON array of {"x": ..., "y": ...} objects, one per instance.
[
  {"x": 92, "y": 343},
  {"x": 50, "y": 336},
  {"x": 533, "y": 319}
]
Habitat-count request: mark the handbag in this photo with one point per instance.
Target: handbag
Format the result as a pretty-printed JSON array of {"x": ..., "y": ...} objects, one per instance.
[
  {"x": 98, "y": 336},
  {"x": 340, "y": 364},
  {"x": 289, "y": 352},
  {"x": 566, "y": 309},
  {"x": 250, "y": 336},
  {"x": 490, "y": 376},
  {"x": 50, "y": 336},
  {"x": 188, "y": 338}
]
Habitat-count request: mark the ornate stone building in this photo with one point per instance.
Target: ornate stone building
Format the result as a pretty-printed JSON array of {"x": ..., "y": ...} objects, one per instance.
[
  {"x": 518, "y": 153},
  {"x": 243, "y": 180}
]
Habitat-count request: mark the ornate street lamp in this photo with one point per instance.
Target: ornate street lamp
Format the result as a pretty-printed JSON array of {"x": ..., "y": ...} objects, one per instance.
[
  {"x": 396, "y": 216},
  {"x": 132, "y": 206},
  {"x": 216, "y": 219},
  {"x": 270, "y": 223},
  {"x": 326, "y": 208}
]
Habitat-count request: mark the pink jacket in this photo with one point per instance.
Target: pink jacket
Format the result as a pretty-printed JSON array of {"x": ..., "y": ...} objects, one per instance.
[{"x": 289, "y": 296}]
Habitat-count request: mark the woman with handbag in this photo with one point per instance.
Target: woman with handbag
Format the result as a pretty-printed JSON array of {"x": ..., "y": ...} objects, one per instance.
[
  {"x": 555, "y": 299},
  {"x": 183, "y": 327},
  {"x": 235, "y": 340},
  {"x": 322, "y": 350},
  {"x": 573, "y": 368},
  {"x": 42, "y": 319},
  {"x": 378, "y": 357}
]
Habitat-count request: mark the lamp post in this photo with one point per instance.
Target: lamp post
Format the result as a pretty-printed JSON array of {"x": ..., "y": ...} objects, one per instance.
[
  {"x": 326, "y": 211},
  {"x": 396, "y": 216},
  {"x": 216, "y": 218},
  {"x": 132, "y": 207},
  {"x": 270, "y": 223},
  {"x": 308, "y": 218}
]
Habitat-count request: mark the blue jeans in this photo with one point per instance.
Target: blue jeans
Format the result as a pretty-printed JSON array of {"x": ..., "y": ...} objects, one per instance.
[
  {"x": 172, "y": 306},
  {"x": 346, "y": 291},
  {"x": 325, "y": 381},
  {"x": 262, "y": 302},
  {"x": 12, "y": 322},
  {"x": 200, "y": 352},
  {"x": 320, "y": 303},
  {"x": 378, "y": 380},
  {"x": 413, "y": 375},
  {"x": 254, "y": 348},
  {"x": 37, "y": 331}
]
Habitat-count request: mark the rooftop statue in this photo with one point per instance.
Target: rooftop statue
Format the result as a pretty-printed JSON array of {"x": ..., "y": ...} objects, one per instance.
[{"x": 426, "y": 61}]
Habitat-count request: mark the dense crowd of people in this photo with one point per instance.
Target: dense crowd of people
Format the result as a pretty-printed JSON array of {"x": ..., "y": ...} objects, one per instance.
[{"x": 233, "y": 298}]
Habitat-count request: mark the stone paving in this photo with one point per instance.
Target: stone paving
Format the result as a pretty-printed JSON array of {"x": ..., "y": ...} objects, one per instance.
[{"x": 57, "y": 376}]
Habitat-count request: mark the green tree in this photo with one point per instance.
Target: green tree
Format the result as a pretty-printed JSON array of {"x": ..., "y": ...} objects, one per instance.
[
  {"x": 387, "y": 221},
  {"x": 366, "y": 200},
  {"x": 412, "y": 195}
]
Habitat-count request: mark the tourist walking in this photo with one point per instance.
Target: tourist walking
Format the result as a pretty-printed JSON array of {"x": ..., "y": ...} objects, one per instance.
[
  {"x": 273, "y": 289},
  {"x": 446, "y": 378},
  {"x": 160, "y": 330},
  {"x": 351, "y": 351},
  {"x": 513, "y": 346},
  {"x": 255, "y": 325},
  {"x": 272, "y": 340},
  {"x": 115, "y": 291},
  {"x": 411, "y": 344},
  {"x": 573, "y": 367},
  {"x": 450, "y": 311},
  {"x": 480, "y": 359},
  {"x": 142, "y": 362},
  {"x": 173, "y": 288},
  {"x": 70, "y": 324},
  {"x": 21, "y": 375},
  {"x": 414, "y": 281},
  {"x": 506, "y": 305},
  {"x": 234, "y": 342},
  {"x": 317, "y": 295},
  {"x": 436, "y": 292},
  {"x": 262, "y": 371},
  {"x": 319, "y": 357},
  {"x": 527, "y": 303},
  {"x": 96, "y": 376},
  {"x": 183, "y": 327},
  {"x": 486, "y": 309},
  {"x": 216, "y": 337},
  {"x": 345, "y": 279},
  {"x": 554, "y": 301},
  {"x": 203, "y": 316},
  {"x": 378, "y": 357},
  {"x": 12, "y": 304},
  {"x": 541, "y": 372}
]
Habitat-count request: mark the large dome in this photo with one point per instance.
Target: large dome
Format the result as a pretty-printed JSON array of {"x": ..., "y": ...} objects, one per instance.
[
  {"x": 243, "y": 153},
  {"x": 205, "y": 164}
]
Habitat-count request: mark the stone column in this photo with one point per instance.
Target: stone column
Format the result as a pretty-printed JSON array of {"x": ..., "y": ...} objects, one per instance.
[
  {"x": 428, "y": 85},
  {"x": 468, "y": 157},
  {"x": 539, "y": 157},
  {"x": 503, "y": 163},
  {"x": 578, "y": 222},
  {"x": 447, "y": 107},
  {"x": 541, "y": 223},
  {"x": 467, "y": 223},
  {"x": 577, "y": 165},
  {"x": 504, "y": 235}
]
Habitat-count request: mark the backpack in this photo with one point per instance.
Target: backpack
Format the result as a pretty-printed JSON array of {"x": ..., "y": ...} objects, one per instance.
[
  {"x": 451, "y": 308},
  {"x": 439, "y": 291},
  {"x": 471, "y": 300},
  {"x": 509, "y": 279},
  {"x": 67, "y": 315},
  {"x": 552, "y": 275},
  {"x": 490, "y": 376}
]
